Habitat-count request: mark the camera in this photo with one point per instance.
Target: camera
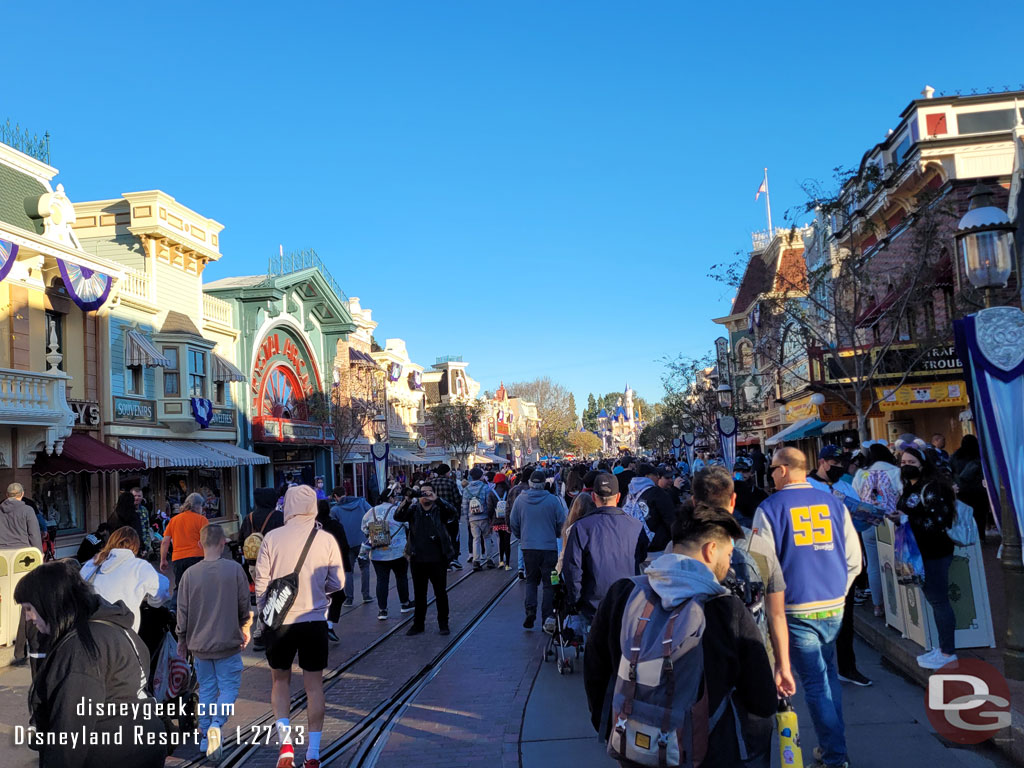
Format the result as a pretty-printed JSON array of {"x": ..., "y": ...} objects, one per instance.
[{"x": 411, "y": 493}]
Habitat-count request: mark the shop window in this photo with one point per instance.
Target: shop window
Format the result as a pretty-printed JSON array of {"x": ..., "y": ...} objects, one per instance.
[
  {"x": 210, "y": 488},
  {"x": 219, "y": 389},
  {"x": 133, "y": 380},
  {"x": 63, "y": 500},
  {"x": 196, "y": 373},
  {"x": 177, "y": 488},
  {"x": 172, "y": 381},
  {"x": 55, "y": 327}
]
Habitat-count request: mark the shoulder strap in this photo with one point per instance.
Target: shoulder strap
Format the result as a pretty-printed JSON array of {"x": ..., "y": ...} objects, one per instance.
[
  {"x": 265, "y": 521},
  {"x": 305, "y": 549}
]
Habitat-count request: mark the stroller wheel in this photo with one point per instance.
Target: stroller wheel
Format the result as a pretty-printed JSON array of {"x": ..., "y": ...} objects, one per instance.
[
  {"x": 548, "y": 654},
  {"x": 568, "y": 667},
  {"x": 561, "y": 667}
]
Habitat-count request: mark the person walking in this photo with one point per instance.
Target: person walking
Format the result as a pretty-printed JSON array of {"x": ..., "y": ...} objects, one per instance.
[
  {"x": 498, "y": 510},
  {"x": 748, "y": 495},
  {"x": 386, "y": 539},
  {"x": 93, "y": 655},
  {"x": 970, "y": 483},
  {"x": 651, "y": 505},
  {"x": 476, "y": 515},
  {"x": 929, "y": 503},
  {"x": 811, "y": 549},
  {"x": 20, "y": 528},
  {"x": 303, "y": 631},
  {"x": 430, "y": 550},
  {"x": 537, "y": 518},
  {"x": 350, "y": 511},
  {"x": 602, "y": 546},
  {"x": 735, "y": 664},
  {"x": 183, "y": 532},
  {"x": 117, "y": 573},
  {"x": 448, "y": 492},
  {"x": 337, "y": 530},
  {"x": 213, "y": 621}
]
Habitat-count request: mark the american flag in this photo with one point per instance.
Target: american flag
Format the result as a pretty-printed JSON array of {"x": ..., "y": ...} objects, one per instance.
[{"x": 762, "y": 188}]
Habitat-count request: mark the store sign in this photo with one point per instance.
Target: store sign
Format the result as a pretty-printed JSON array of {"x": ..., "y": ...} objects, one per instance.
[
  {"x": 223, "y": 418},
  {"x": 135, "y": 411},
  {"x": 941, "y": 394},
  {"x": 278, "y": 345},
  {"x": 894, "y": 363},
  {"x": 87, "y": 413},
  {"x": 293, "y": 431}
]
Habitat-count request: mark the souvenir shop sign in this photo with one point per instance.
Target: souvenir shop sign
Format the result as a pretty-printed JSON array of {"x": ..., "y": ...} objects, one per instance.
[
  {"x": 223, "y": 418},
  {"x": 133, "y": 411},
  {"x": 87, "y": 413}
]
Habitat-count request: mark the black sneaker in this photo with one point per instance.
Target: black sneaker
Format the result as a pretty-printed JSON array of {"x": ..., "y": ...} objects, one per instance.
[
  {"x": 490, "y": 565},
  {"x": 854, "y": 677},
  {"x": 522, "y": 575},
  {"x": 531, "y": 619},
  {"x": 406, "y": 607},
  {"x": 415, "y": 631},
  {"x": 382, "y": 615},
  {"x": 456, "y": 565},
  {"x": 367, "y": 600},
  {"x": 477, "y": 567},
  {"x": 20, "y": 662},
  {"x": 348, "y": 602},
  {"x": 332, "y": 635}
]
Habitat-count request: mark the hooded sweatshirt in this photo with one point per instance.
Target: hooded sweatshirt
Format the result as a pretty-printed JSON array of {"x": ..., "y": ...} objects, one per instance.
[
  {"x": 125, "y": 577},
  {"x": 322, "y": 572},
  {"x": 349, "y": 511},
  {"x": 265, "y": 512},
  {"x": 536, "y": 519},
  {"x": 656, "y": 510},
  {"x": 734, "y": 656},
  {"x": 603, "y": 546},
  {"x": 18, "y": 525}
]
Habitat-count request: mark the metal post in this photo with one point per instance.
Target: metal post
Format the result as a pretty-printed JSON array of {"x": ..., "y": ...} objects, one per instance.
[
  {"x": 1013, "y": 588},
  {"x": 768, "y": 205}
]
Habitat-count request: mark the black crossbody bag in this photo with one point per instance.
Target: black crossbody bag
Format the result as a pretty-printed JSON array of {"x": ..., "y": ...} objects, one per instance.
[{"x": 281, "y": 592}]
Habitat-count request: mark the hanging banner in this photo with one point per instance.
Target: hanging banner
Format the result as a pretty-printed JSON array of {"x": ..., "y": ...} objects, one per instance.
[
  {"x": 727, "y": 429},
  {"x": 202, "y": 411},
  {"x": 379, "y": 453},
  {"x": 689, "y": 445},
  {"x": 8, "y": 255},
  {"x": 88, "y": 289},
  {"x": 991, "y": 345},
  {"x": 394, "y": 371}
]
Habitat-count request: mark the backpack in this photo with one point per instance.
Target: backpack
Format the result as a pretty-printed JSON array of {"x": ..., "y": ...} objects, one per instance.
[
  {"x": 638, "y": 509},
  {"x": 378, "y": 532},
  {"x": 745, "y": 582},
  {"x": 879, "y": 491},
  {"x": 474, "y": 507},
  {"x": 281, "y": 592},
  {"x": 253, "y": 542},
  {"x": 500, "y": 507},
  {"x": 659, "y": 700}
]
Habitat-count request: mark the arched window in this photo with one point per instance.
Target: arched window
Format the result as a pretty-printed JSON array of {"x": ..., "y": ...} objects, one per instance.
[{"x": 744, "y": 355}]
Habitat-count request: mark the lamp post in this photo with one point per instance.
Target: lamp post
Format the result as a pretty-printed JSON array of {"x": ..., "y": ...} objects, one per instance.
[{"x": 984, "y": 242}]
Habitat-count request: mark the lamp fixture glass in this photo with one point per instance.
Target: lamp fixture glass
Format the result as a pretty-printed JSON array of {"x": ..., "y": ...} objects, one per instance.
[{"x": 984, "y": 238}]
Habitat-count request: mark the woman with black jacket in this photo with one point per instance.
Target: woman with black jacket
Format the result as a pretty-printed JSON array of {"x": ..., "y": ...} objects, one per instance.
[
  {"x": 969, "y": 477},
  {"x": 929, "y": 503},
  {"x": 93, "y": 663},
  {"x": 337, "y": 530}
]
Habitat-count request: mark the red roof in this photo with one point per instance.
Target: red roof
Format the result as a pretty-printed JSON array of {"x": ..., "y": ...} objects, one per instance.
[
  {"x": 755, "y": 282},
  {"x": 85, "y": 454}
]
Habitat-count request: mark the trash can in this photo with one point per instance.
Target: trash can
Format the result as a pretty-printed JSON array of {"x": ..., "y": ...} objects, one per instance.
[{"x": 15, "y": 562}]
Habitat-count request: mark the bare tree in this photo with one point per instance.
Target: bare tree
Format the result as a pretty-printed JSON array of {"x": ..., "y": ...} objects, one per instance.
[
  {"x": 347, "y": 411},
  {"x": 455, "y": 427},
  {"x": 555, "y": 409}
]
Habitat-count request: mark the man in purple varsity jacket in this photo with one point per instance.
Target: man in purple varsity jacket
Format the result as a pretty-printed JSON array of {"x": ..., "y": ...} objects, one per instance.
[{"x": 813, "y": 555}]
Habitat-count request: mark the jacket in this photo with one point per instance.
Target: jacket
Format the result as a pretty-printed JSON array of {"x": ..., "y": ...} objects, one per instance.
[
  {"x": 266, "y": 503},
  {"x": 116, "y": 674},
  {"x": 602, "y": 546},
  {"x": 448, "y": 490},
  {"x": 337, "y": 530},
  {"x": 322, "y": 573},
  {"x": 480, "y": 490},
  {"x": 213, "y": 607},
  {"x": 657, "y": 509},
  {"x": 125, "y": 577},
  {"x": 734, "y": 656},
  {"x": 428, "y": 535},
  {"x": 398, "y": 531},
  {"x": 931, "y": 508},
  {"x": 349, "y": 511},
  {"x": 536, "y": 519},
  {"x": 498, "y": 492},
  {"x": 625, "y": 477},
  {"x": 748, "y": 499},
  {"x": 18, "y": 525}
]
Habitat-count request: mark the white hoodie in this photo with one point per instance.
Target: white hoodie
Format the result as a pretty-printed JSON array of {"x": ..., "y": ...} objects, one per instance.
[{"x": 123, "y": 576}]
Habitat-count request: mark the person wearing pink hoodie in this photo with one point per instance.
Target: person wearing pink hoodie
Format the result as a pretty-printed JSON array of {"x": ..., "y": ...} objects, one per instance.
[{"x": 304, "y": 631}]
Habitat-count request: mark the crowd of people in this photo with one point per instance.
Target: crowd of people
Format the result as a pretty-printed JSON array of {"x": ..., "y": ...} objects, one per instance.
[{"x": 674, "y": 574}]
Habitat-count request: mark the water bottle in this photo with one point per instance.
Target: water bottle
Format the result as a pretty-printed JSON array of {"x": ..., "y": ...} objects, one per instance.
[{"x": 789, "y": 735}]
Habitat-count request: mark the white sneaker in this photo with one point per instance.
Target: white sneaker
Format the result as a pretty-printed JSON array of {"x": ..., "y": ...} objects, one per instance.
[
  {"x": 937, "y": 661},
  {"x": 927, "y": 655},
  {"x": 213, "y": 748}
]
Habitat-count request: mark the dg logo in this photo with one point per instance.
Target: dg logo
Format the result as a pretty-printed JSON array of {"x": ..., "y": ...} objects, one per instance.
[{"x": 968, "y": 701}]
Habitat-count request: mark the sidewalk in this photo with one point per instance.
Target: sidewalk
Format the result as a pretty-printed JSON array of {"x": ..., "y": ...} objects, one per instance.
[{"x": 902, "y": 653}]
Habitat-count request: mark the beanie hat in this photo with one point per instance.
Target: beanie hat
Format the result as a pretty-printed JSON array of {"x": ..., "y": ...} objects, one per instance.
[
  {"x": 476, "y": 473},
  {"x": 500, "y": 477}
]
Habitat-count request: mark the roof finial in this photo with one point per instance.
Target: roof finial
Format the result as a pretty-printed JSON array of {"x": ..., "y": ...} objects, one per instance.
[{"x": 928, "y": 92}]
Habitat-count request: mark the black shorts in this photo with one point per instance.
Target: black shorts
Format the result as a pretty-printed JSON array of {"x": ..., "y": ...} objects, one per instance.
[{"x": 307, "y": 638}]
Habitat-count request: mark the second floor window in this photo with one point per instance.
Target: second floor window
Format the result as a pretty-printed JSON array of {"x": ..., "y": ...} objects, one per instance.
[
  {"x": 133, "y": 380},
  {"x": 172, "y": 380},
  {"x": 196, "y": 373}
]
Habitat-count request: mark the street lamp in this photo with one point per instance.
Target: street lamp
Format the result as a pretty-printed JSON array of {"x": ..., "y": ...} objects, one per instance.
[
  {"x": 725, "y": 396},
  {"x": 380, "y": 427},
  {"x": 984, "y": 238}
]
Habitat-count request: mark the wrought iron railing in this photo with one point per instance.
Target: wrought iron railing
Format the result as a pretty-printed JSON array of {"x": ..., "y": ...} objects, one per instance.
[
  {"x": 25, "y": 141},
  {"x": 448, "y": 359},
  {"x": 286, "y": 263}
]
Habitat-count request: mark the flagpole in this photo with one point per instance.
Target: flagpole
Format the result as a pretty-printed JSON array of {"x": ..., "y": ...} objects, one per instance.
[{"x": 768, "y": 204}]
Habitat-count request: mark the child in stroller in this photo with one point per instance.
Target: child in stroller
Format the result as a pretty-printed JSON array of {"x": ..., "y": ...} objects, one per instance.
[
  {"x": 567, "y": 632},
  {"x": 171, "y": 678}
]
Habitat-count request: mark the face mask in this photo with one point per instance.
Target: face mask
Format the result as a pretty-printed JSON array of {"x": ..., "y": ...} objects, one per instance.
[
  {"x": 908, "y": 472},
  {"x": 834, "y": 473}
]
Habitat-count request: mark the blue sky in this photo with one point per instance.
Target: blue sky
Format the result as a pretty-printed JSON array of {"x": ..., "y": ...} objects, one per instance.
[{"x": 540, "y": 187}]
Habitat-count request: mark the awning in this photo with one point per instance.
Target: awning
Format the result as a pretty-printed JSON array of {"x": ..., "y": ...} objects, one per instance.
[
  {"x": 175, "y": 453},
  {"x": 407, "y": 457},
  {"x": 834, "y": 426},
  {"x": 85, "y": 454},
  {"x": 785, "y": 434},
  {"x": 242, "y": 457},
  {"x": 812, "y": 429},
  {"x": 224, "y": 370},
  {"x": 495, "y": 458},
  {"x": 360, "y": 358},
  {"x": 139, "y": 350},
  {"x": 488, "y": 458}
]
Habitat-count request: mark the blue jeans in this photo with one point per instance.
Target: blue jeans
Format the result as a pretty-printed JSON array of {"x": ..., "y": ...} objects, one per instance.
[
  {"x": 812, "y": 650},
  {"x": 936, "y": 592},
  {"x": 219, "y": 680}
]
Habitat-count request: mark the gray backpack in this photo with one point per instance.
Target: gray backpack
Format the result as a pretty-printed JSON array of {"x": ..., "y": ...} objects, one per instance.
[{"x": 660, "y": 703}]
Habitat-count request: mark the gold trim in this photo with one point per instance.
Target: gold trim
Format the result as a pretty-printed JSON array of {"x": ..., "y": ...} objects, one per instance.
[
  {"x": 143, "y": 212},
  {"x": 107, "y": 220},
  {"x": 85, "y": 221},
  {"x": 163, "y": 214}
]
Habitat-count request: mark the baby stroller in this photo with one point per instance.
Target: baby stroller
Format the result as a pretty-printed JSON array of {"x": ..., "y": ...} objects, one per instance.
[
  {"x": 171, "y": 678},
  {"x": 568, "y": 634}
]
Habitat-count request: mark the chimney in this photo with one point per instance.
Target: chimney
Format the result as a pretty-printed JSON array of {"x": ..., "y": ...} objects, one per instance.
[{"x": 928, "y": 92}]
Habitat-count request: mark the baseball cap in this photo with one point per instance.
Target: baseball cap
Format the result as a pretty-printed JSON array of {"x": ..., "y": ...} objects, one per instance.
[
  {"x": 646, "y": 469},
  {"x": 668, "y": 472},
  {"x": 830, "y": 453},
  {"x": 606, "y": 485},
  {"x": 538, "y": 478}
]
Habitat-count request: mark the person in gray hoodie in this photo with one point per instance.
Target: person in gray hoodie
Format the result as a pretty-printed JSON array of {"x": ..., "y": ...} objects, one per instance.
[
  {"x": 19, "y": 528},
  {"x": 349, "y": 511},
  {"x": 536, "y": 520},
  {"x": 479, "y": 522}
]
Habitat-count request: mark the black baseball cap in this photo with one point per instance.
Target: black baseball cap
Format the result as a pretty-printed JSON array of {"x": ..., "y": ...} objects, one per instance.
[
  {"x": 646, "y": 469},
  {"x": 606, "y": 485}
]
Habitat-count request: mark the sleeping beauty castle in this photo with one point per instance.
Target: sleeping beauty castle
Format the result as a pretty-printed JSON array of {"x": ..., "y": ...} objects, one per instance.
[{"x": 620, "y": 430}]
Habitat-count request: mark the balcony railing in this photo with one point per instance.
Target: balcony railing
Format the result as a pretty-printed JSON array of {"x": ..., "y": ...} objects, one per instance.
[
  {"x": 23, "y": 141},
  {"x": 136, "y": 287},
  {"x": 37, "y": 399},
  {"x": 217, "y": 310},
  {"x": 286, "y": 263}
]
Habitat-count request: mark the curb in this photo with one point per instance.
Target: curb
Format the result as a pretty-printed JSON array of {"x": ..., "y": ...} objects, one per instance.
[{"x": 902, "y": 655}]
